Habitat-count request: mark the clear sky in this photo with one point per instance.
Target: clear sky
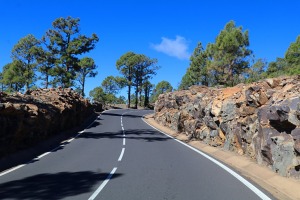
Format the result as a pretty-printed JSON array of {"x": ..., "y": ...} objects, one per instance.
[{"x": 163, "y": 29}]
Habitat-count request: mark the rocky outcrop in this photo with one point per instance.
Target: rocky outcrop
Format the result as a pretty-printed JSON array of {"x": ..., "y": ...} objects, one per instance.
[
  {"x": 260, "y": 120},
  {"x": 26, "y": 119}
]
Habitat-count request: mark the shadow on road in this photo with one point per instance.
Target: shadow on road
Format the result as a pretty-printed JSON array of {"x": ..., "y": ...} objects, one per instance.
[
  {"x": 52, "y": 186},
  {"x": 125, "y": 115},
  {"x": 147, "y": 135}
]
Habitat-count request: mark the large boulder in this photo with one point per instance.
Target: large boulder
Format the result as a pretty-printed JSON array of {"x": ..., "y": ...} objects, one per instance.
[{"x": 260, "y": 120}]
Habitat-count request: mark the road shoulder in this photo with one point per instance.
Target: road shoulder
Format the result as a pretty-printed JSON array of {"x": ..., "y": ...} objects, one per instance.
[{"x": 280, "y": 187}]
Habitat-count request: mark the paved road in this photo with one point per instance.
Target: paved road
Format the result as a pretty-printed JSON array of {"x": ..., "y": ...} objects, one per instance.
[{"x": 121, "y": 157}]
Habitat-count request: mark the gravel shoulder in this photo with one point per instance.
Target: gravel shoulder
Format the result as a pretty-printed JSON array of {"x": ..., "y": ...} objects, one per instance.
[{"x": 280, "y": 187}]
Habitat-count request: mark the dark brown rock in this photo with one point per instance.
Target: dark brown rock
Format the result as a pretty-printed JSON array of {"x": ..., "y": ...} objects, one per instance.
[
  {"x": 28, "y": 119},
  {"x": 260, "y": 120}
]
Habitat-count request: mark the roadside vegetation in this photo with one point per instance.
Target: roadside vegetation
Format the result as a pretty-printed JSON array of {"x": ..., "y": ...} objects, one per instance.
[
  {"x": 229, "y": 61},
  {"x": 57, "y": 60}
]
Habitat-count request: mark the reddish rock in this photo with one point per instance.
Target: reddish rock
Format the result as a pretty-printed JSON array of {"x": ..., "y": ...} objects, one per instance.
[{"x": 259, "y": 120}]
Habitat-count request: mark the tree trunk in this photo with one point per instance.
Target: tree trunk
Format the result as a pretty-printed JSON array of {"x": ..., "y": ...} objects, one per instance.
[
  {"x": 146, "y": 101},
  {"x": 136, "y": 97},
  {"x": 140, "y": 103},
  {"x": 82, "y": 89},
  {"x": 129, "y": 93}
]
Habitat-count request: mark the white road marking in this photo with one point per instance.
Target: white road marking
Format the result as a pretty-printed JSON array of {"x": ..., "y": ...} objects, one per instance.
[
  {"x": 44, "y": 154},
  {"x": 100, "y": 188},
  {"x": 12, "y": 169},
  {"x": 121, "y": 155},
  {"x": 124, "y": 141},
  {"x": 70, "y": 140},
  {"x": 233, "y": 173}
]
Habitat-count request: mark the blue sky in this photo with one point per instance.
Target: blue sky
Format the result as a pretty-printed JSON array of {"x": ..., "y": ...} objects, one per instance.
[{"x": 166, "y": 30}]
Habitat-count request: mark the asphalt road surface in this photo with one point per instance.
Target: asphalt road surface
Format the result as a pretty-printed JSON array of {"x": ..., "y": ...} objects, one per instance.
[{"x": 121, "y": 157}]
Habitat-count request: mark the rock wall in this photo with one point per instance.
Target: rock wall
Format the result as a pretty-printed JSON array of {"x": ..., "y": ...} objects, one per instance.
[
  {"x": 28, "y": 119},
  {"x": 260, "y": 120}
]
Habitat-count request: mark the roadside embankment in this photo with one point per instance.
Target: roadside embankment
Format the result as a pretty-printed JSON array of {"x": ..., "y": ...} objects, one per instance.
[
  {"x": 38, "y": 115},
  {"x": 260, "y": 120}
]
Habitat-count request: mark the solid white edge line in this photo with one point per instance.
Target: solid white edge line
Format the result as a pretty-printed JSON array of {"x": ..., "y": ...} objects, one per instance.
[
  {"x": 70, "y": 140},
  {"x": 44, "y": 154},
  {"x": 233, "y": 173},
  {"x": 121, "y": 155},
  {"x": 12, "y": 169},
  {"x": 100, "y": 188}
]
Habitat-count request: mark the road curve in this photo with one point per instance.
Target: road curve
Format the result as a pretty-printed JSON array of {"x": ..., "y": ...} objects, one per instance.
[{"x": 121, "y": 157}]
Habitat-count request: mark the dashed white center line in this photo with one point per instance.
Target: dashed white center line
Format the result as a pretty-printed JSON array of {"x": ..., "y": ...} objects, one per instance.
[
  {"x": 121, "y": 155},
  {"x": 124, "y": 141},
  {"x": 100, "y": 188}
]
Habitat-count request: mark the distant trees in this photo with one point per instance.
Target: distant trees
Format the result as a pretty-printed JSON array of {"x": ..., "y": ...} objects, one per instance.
[
  {"x": 197, "y": 73},
  {"x": 228, "y": 55},
  {"x": 289, "y": 65},
  {"x": 137, "y": 69},
  {"x": 256, "y": 71},
  {"x": 126, "y": 67},
  {"x": 112, "y": 85},
  {"x": 12, "y": 76},
  {"x": 23, "y": 53},
  {"x": 228, "y": 61},
  {"x": 98, "y": 94},
  {"x": 86, "y": 69},
  {"x": 161, "y": 88},
  {"x": 292, "y": 57},
  {"x": 55, "y": 57},
  {"x": 222, "y": 62}
]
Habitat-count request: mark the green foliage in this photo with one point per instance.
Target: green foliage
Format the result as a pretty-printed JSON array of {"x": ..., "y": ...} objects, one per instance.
[
  {"x": 87, "y": 69},
  {"x": 147, "y": 86},
  {"x": 98, "y": 94},
  {"x": 186, "y": 80},
  {"x": 120, "y": 100},
  {"x": 109, "y": 85},
  {"x": 292, "y": 57},
  {"x": 112, "y": 85},
  {"x": 289, "y": 65},
  {"x": 46, "y": 62},
  {"x": 66, "y": 43},
  {"x": 197, "y": 73},
  {"x": 256, "y": 71},
  {"x": 126, "y": 67},
  {"x": 12, "y": 76},
  {"x": 137, "y": 69},
  {"x": 277, "y": 68},
  {"x": 161, "y": 88},
  {"x": 222, "y": 63},
  {"x": 145, "y": 68},
  {"x": 228, "y": 55},
  {"x": 24, "y": 53}
]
